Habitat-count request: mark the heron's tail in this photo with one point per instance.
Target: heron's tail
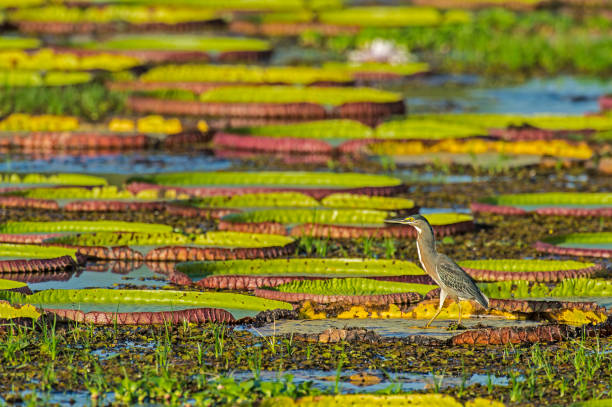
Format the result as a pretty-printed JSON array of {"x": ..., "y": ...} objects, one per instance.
[{"x": 482, "y": 299}]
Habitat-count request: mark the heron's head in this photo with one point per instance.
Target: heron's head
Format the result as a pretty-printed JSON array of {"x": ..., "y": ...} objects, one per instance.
[{"x": 416, "y": 221}]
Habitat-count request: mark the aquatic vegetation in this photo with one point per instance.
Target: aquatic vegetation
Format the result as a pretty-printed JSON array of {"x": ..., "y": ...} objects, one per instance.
[
  {"x": 352, "y": 286},
  {"x": 82, "y": 226},
  {"x": 379, "y": 70},
  {"x": 499, "y": 41},
  {"x": 326, "y": 129},
  {"x": 427, "y": 129},
  {"x": 34, "y": 251},
  {"x": 111, "y": 14},
  {"x": 272, "y": 178},
  {"x": 550, "y": 203},
  {"x": 286, "y": 94},
  {"x": 244, "y": 74},
  {"x": 392, "y": 16},
  {"x": 555, "y": 148},
  {"x": 77, "y": 299},
  {"x": 416, "y": 400},
  {"x": 568, "y": 288},
  {"x": 91, "y": 101},
  {"x": 60, "y": 179},
  {"x": 45, "y": 122},
  {"x": 48, "y": 59},
  {"x": 15, "y": 78},
  {"x": 8, "y": 311},
  {"x": 578, "y": 244},
  {"x": 529, "y": 270},
  {"x": 14, "y": 43},
  {"x": 178, "y": 42},
  {"x": 317, "y": 215},
  {"x": 162, "y": 236},
  {"x": 541, "y": 121}
]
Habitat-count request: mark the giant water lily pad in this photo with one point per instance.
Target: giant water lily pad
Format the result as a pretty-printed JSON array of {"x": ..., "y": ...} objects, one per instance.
[
  {"x": 24, "y": 180},
  {"x": 179, "y": 43},
  {"x": 550, "y": 203},
  {"x": 349, "y": 290},
  {"x": 23, "y": 258},
  {"x": 287, "y": 94},
  {"x": 548, "y": 122},
  {"x": 392, "y": 16},
  {"x": 568, "y": 288},
  {"x": 578, "y": 244},
  {"x": 297, "y": 199},
  {"x": 320, "y": 129},
  {"x": 8, "y": 311},
  {"x": 427, "y": 130},
  {"x": 251, "y": 274},
  {"x": 554, "y": 148},
  {"x": 303, "y": 267},
  {"x": 271, "y": 178},
  {"x": 16, "y": 227},
  {"x": 17, "y": 78},
  {"x": 227, "y": 183},
  {"x": 133, "y": 14},
  {"x": 184, "y": 74},
  {"x": 529, "y": 270},
  {"x": 13, "y": 287},
  {"x": 339, "y": 223},
  {"x": 146, "y": 306}
]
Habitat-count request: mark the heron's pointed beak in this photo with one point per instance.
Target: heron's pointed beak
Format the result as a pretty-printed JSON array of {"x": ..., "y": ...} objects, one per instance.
[{"x": 395, "y": 220}]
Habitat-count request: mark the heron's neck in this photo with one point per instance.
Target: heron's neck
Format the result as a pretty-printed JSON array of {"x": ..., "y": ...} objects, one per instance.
[{"x": 426, "y": 247}]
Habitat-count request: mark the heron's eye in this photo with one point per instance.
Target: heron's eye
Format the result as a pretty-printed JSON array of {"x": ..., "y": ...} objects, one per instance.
[{"x": 410, "y": 219}]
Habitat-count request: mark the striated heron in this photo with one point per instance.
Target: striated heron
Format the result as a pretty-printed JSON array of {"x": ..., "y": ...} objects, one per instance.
[{"x": 454, "y": 282}]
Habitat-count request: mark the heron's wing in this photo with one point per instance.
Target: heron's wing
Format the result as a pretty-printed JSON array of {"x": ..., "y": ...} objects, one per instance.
[{"x": 455, "y": 278}]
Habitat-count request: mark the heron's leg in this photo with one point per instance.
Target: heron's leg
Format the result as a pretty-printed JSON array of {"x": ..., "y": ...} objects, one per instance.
[
  {"x": 459, "y": 304},
  {"x": 442, "y": 299}
]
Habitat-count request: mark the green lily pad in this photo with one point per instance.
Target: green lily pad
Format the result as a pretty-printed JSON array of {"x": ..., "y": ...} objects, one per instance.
[
  {"x": 212, "y": 238},
  {"x": 271, "y": 178},
  {"x": 316, "y": 215},
  {"x": 549, "y": 199},
  {"x": 302, "y": 267},
  {"x": 392, "y": 16},
  {"x": 352, "y": 286},
  {"x": 27, "y": 251},
  {"x": 296, "y": 199},
  {"x": 179, "y": 42},
  {"x": 427, "y": 129},
  {"x": 334, "y": 96},
  {"x": 7, "y": 43},
  {"x": 601, "y": 240},
  {"x": 133, "y": 14},
  {"x": 548, "y": 122},
  {"x": 520, "y": 265},
  {"x": 244, "y": 74},
  {"x": 320, "y": 129},
  {"x": 56, "y": 179},
  {"x": 82, "y": 226},
  {"x": 108, "y": 300},
  {"x": 569, "y": 288}
]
